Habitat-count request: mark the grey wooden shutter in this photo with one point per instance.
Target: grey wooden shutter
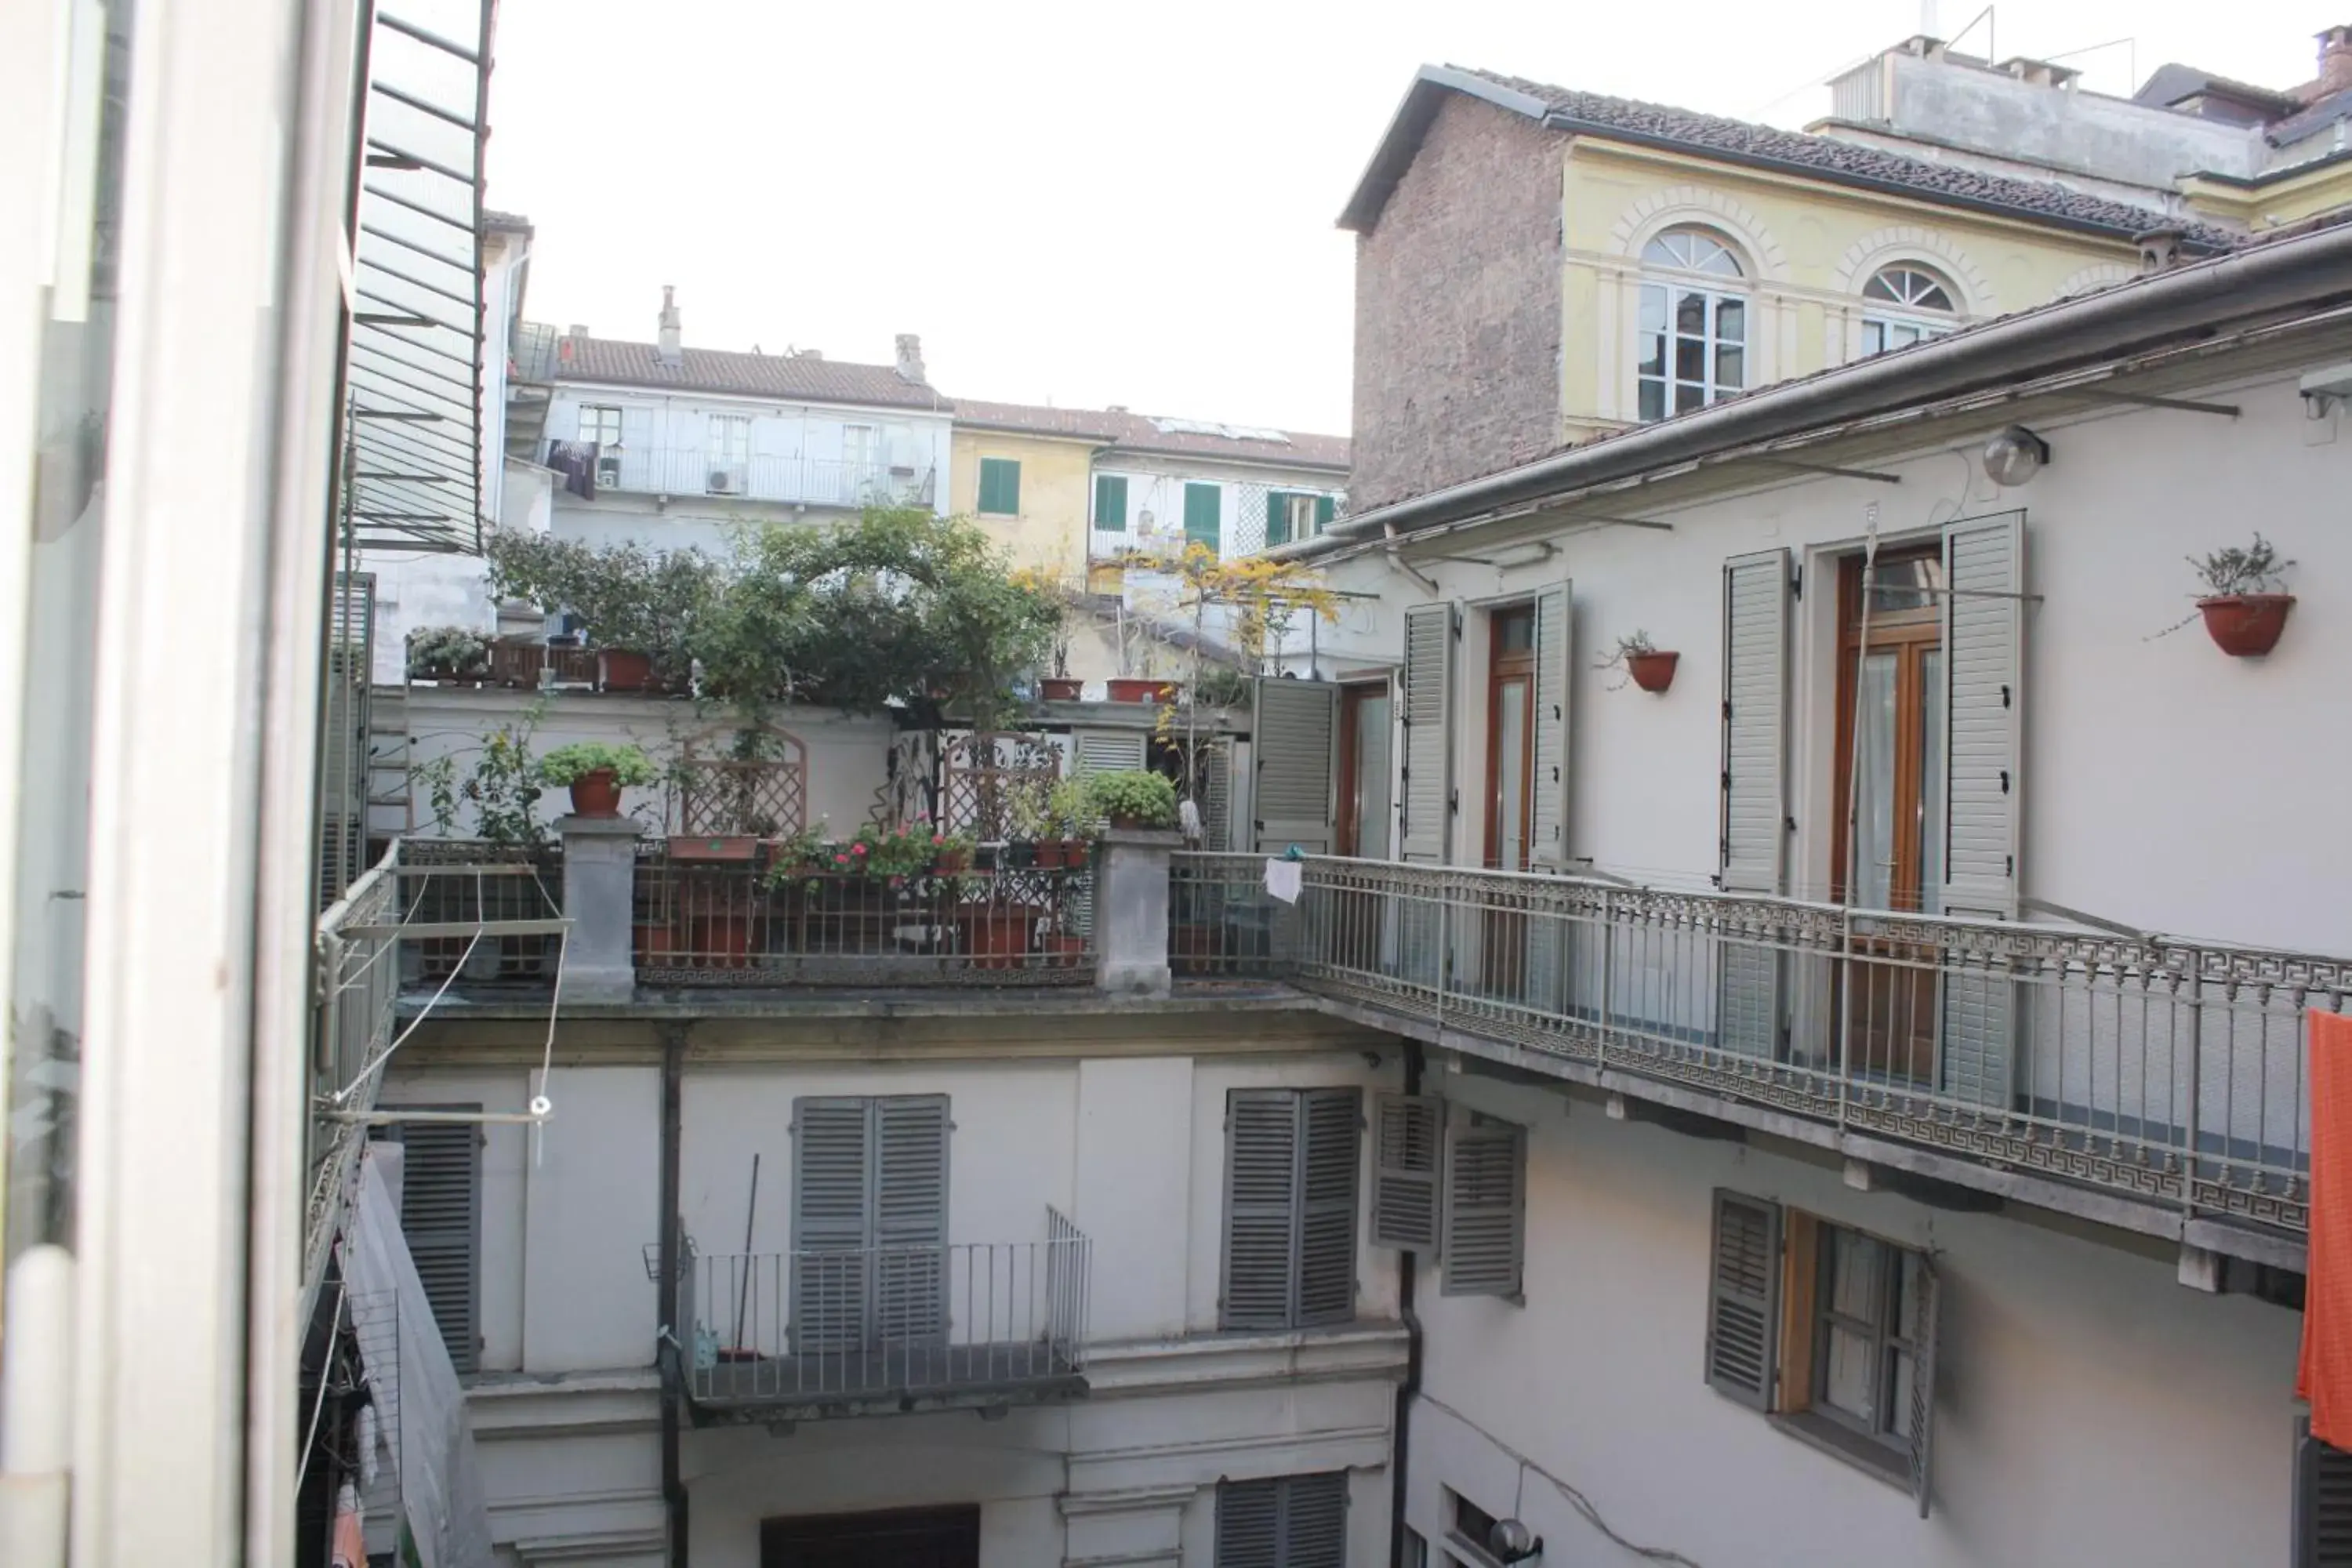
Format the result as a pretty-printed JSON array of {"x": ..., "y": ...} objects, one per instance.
[
  {"x": 832, "y": 1207},
  {"x": 1984, "y": 629},
  {"x": 1926, "y": 1309},
  {"x": 1283, "y": 1522},
  {"x": 441, "y": 1220},
  {"x": 1331, "y": 1122},
  {"x": 1408, "y": 1144},
  {"x": 1249, "y": 1524},
  {"x": 1755, "y": 788},
  {"x": 1547, "y": 828},
  {"x": 1106, "y": 750},
  {"x": 910, "y": 1216},
  {"x": 1486, "y": 1208},
  {"x": 1261, "y": 1184},
  {"x": 2323, "y": 1502},
  {"x": 1216, "y": 776},
  {"x": 1428, "y": 731},
  {"x": 1295, "y": 736},
  {"x": 1744, "y": 1298}
]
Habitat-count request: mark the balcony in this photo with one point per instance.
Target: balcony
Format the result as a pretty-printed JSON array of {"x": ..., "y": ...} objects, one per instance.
[
  {"x": 820, "y": 1333},
  {"x": 847, "y": 483},
  {"x": 2161, "y": 1070}
]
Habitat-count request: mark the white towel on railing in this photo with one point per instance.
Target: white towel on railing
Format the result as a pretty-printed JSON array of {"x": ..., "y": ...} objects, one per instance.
[{"x": 1283, "y": 880}]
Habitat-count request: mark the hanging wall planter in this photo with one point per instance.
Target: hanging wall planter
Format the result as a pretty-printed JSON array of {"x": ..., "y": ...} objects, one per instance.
[
  {"x": 2245, "y": 626},
  {"x": 1652, "y": 671}
]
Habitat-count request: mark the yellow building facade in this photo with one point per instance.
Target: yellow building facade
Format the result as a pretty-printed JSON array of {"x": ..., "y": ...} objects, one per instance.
[{"x": 1031, "y": 492}]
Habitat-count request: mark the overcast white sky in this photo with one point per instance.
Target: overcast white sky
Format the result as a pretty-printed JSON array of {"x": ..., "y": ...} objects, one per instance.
[{"x": 1107, "y": 202}]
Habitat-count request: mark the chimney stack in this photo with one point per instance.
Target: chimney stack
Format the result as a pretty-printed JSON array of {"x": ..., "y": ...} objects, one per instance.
[
  {"x": 2159, "y": 249},
  {"x": 910, "y": 358},
  {"x": 671, "y": 353},
  {"x": 578, "y": 329},
  {"x": 2335, "y": 60}
]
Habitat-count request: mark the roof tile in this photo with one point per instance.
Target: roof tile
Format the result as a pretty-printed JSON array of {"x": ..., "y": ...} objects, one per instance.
[
  {"x": 1140, "y": 433},
  {"x": 795, "y": 376}
]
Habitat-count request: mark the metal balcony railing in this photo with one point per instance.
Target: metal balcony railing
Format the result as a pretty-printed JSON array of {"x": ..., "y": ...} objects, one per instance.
[
  {"x": 824, "y": 1330},
  {"x": 802, "y": 481},
  {"x": 738, "y": 923},
  {"x": 2163, "y": 1069}
]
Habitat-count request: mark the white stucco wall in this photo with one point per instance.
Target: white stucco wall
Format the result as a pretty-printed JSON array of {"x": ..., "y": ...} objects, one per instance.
[
  {"x": 2163, "y": 784},
  {"x": 2089, "y": 1409}
]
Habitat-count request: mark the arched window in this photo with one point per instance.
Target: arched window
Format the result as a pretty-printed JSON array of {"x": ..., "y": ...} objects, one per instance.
[
  {"x": 1907, "y": 301},
  {"x": 1691, "y": 347}
]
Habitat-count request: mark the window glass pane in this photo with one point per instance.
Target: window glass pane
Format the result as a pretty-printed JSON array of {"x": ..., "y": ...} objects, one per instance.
[
  {"x": 1731, "y": 321},
  {"x": 1874, "y": 849},
  {"x": 1873, "y": 337},
  {"x": 1908, "y": 584},
  {"x": 1511, "y": 775},
  {"x": 1898, "y": 1382},
  {"x": 1653, "y": 308},
  {"x": 1690, "y": 359},
  {"x": 1689, "y": 397},
  {"x": 1654, "y": 355},
  {"x": 1652, "y": 400},
  {"x": 1857, "y": 1275},
  {"x": 1690, "y": 315},
  {"x": 1731, "y": 368},
  {"x": 1849, "y": 1382},
  {"x": 1515, "y": 632},
  {"x": 1932, "y": 739}
]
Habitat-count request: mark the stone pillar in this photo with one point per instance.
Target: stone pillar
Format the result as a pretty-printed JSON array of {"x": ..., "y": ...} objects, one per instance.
[
  {"x": 600, "y": 868},
  {"x": 1131, "y": 911}
]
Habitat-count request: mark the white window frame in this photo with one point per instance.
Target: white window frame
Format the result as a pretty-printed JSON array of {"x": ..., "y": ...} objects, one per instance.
[
  {"x": 1668, "y": 296},
  {"x": 1895, "y": 317},
  {"x": 726, "y": 454},
  {"x": 1881, "y": 333},
  {"x": 596, "y": 420}
]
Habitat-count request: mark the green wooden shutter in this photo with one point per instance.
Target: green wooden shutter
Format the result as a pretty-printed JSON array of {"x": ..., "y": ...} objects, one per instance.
[
  {"x": 441, "y": 1220},
  {"x": 1329, "y": 1156},
  {"x": 1326, "y": 509},
  {"x": 1486, "y": 1209},
  {"x": 1744, "y": 1304},
  {"x": 910, "y": 1217},
  {"x": 832, "y": 1208},
  {"x": 1260, "y": 1187},
  {"x": 1000, "y": 487},
  {"x": 1110, "y": 503},
  {"x": 1204, "y": 507},
  {"x": 1277, "y": 518},
  {"x": 1926, "y": 1309},
  {"x": 2323, "y": 1502},
  {"x": 1295, "y": 733},
  {"x": 1408, "y": 1142}
]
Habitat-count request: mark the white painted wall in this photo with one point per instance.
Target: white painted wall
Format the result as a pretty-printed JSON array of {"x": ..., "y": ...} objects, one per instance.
[
  {"x": 2164, "y": 785},
  {"x": 1155, "y": 485},
  {"x": 2090, "y": 1409}
]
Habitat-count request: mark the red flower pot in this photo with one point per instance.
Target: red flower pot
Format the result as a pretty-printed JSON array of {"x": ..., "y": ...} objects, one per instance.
[
  {"x": 1652, "y": 671},
  {"x": 623, "y": 670},
  {"x": 951, "y": 862},
  {"x": 2246, "y": 626},
  {"x": 1052, "y": 853},
  {"x": 597, "y": 794},
  {"x": 1127, "y": 690},
  {"x": 1058, "y": 689}
]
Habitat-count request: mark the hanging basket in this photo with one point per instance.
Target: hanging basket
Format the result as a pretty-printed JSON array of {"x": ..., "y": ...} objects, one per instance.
[
  {"x": 1652, "y": 671},
  {"x": 2245, "y": 626}
]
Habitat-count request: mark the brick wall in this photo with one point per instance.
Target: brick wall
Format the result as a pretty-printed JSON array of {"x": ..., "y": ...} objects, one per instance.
[{"x": 1458, "y": 306}]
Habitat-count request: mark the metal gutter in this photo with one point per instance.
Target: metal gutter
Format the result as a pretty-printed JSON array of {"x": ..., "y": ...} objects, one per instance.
[{"x": 2152, "y": 312}]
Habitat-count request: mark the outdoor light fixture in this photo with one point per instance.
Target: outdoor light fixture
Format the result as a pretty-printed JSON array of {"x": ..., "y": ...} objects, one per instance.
[
  {"x": 1512, "y": 1541},
  {"x": 2015, "y": 456}
]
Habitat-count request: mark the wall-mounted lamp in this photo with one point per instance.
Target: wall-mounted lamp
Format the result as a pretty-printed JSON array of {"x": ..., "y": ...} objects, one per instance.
[
  {"x": 1512, "y": 1541},
  {"x": 2015, "y": 456}
]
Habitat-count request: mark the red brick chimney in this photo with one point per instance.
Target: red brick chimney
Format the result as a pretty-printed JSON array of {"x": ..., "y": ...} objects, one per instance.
[{"x": 2335, "y": 60}]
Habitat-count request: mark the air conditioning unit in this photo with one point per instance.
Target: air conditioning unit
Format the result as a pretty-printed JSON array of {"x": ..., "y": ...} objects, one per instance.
[
  {"x": 608, "y": 472},
  {"x": 725, "y": 482}
]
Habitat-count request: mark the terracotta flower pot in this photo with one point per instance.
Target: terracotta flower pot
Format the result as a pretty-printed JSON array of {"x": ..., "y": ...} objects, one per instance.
[
  {"x": 1128, "y": 691},
  {"x": 2246, "y": 626},
  {"x": 951, "y": 860},
  {"x": 624, "y": 670},
  {"x": 1050, "y": 854},
  {"x": 1058, "y": 690},
  {"x": 1652, "y": 671},
  {"x": 1135, "y": 824},
  {"x": 596, "y": 793}
]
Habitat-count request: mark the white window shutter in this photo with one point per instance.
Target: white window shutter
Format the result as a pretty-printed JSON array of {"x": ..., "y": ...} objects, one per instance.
[
  {"x": 1754, "y": 722},
  {"x": 1407, "y": 1146},
  {"x": 1428, "y": 787},
  {"x": 1984, "y": 655},
  {"x": 833, "y": 1185},
  {"x": 1295, "y": 736},
  {"x": 1920, "y": 1419},
  {"x": 1106, "y": 751},
  {"x": 1547, "y": 827},
  {"x": 1486, "y": 1208},
  {"x": 1743, "y": 1314}
]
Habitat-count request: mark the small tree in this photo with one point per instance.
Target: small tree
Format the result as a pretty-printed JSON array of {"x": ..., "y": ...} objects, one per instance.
[{"x": 652, "y": 602}]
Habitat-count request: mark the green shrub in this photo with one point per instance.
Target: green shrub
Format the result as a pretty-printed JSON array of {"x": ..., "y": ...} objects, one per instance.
[
  {"x": 1147, "y": 799},
  {"x": 627, "y": 764}
]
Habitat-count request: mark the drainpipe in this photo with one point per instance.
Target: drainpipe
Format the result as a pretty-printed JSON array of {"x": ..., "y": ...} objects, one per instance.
[
  {"x": 670, "y": 1351},
  {"x": 1410, "y": 1388}
]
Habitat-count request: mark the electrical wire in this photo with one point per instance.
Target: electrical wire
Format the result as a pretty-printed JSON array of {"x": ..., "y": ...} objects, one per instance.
[{"x": 376, "y": 1061}]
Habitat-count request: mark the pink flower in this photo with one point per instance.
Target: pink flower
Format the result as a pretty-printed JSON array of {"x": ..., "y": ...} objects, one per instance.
[
  {"x": 937, "y": 840},
  {"x": 841, "y": 859},
  {"x": 857, "y": 849}
]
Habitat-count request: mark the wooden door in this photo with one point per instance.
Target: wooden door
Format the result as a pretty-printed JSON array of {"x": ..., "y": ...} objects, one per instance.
[{"x": 1510, "y": 778}]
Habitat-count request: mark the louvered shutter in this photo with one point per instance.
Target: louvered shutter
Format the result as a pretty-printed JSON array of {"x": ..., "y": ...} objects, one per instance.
[
  {"x": 1984, "y": 628},
  {"x": 1106, "y": 750},
  {"x": 1326, "y": 509},
  {"x": 832, "y": 1206},
  {"x": 1249, "y": 1524},
  {"x": 1277, "y": 518},
  {"x": 1204, "y": 507},
  {"x": 1110, "y": 503},
  {"x": 1486, "y": 1209},
  {"x": 1294, "y": 734},
  {"x": 1261, "y": 1217},
  {"x": 1744, "y": 1288},
  {"x": 1315, "y": 1520},
  {"x": 910, "y": 1217},
  {"x": 440, "y": 1218},
  {"x": 1408, "y": 1139},
  {"x": 1428, "y": 731},
  {"x": 1755, "y": 771},
  {"x": 1329, "y": 1155},
  {"x": 2323, "y": 1502},
  {"x": 1216, "y": 776},
  {"x": 1547, "y": 831},
  {"x": 1920, "y": 1419}
]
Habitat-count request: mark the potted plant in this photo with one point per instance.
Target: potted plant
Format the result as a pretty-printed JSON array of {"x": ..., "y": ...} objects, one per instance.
[
  {"x": 1650, "y": 669},
  {"x": 596, "y": 772},
  {"x": 448, "y": 653},
  {"x": 950, "y": 854},
  {"x": 1129, "y": 688},
  {"x": 1062, "y": 688},
  {"x": 1132, "y": 798},
  {"x": 2245, "y": 602}
]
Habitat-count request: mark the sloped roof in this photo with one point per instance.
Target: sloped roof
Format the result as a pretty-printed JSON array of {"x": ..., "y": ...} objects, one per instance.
[
  {"x": 1739, "y": 140},
  {"x": 1144, "y": 432},
  {"x": 2172, "y": 82},
  {"x": 799, "y": 377},
  {"x": 2317, "y": 117}
]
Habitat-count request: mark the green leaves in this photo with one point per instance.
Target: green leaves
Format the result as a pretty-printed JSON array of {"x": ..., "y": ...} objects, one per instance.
[{"x": 627, "y": 764}]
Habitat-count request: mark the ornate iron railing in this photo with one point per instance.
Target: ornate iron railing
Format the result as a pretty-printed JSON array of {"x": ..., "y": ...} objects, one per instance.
[
  {"x": 2168, "y": 1069},
  {"x": 844, "y": 1328}
]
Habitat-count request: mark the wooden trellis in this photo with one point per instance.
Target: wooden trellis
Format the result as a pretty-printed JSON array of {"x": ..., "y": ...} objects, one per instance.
[
  {"x": 983, "y": 775},
  {"x": 761, "y": 789}
]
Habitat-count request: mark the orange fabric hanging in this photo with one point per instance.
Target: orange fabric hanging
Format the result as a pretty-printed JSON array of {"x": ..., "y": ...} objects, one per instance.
[{"x": 2323, "y": 1373}]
